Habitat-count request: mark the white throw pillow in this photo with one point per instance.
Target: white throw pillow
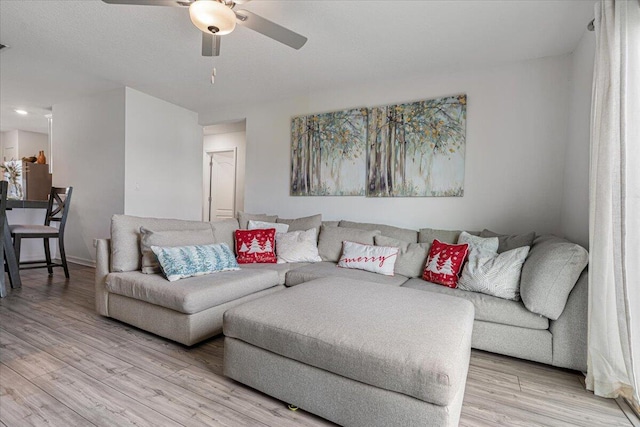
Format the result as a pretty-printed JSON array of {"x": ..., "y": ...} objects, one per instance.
[
  {"x": 479, "y": 246},
  {"x": 297, "y": 246},
  {"x": 497, "y": 275},
  {"x": 261, "y": 225},
  {"x": 377, "y": 259}
]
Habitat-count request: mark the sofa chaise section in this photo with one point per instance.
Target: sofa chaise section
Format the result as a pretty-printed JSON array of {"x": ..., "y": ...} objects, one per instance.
[{"x": 187, "y": 311}]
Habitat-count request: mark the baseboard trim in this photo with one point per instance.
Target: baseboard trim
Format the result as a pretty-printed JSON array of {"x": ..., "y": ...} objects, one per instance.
[{"x": 81, "y": 261}]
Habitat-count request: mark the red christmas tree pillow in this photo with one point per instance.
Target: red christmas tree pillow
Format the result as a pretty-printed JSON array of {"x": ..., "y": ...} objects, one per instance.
[
  {"x": 444, "y": 263},
  {"x": 256, "y": 246}
]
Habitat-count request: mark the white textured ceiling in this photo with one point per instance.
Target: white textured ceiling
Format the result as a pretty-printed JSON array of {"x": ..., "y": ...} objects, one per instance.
[{"x": 64, "y": 49}]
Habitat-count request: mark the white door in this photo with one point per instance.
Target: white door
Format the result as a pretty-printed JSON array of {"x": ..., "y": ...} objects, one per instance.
[{"x": 222, "y": 184}]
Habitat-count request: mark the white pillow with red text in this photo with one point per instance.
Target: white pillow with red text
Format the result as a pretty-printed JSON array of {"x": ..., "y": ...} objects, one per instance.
[{"x": 376, "y": 259}]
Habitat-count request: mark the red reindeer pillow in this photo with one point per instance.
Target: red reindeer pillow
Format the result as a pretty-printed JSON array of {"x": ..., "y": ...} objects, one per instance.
[
  {"x": 444, "y": 263},
  {"x": 256, "y": 246}
]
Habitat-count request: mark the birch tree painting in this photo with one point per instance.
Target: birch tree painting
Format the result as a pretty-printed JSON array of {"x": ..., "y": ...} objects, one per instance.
[
  {"x": 328, "y": 154},
  {"x": 417, "y": 149}
]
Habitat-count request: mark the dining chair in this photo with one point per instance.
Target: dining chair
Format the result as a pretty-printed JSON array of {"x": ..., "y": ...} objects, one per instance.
[
  {"x": 57, "y": 211},
  {"x": 3, "y": 219}
]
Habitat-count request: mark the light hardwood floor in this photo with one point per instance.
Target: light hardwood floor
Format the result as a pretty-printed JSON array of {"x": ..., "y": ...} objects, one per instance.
[{"x": 63, "y": 365}]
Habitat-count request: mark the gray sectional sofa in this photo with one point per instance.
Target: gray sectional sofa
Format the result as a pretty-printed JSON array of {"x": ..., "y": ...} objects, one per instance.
[{"x": 549, "y": 324}]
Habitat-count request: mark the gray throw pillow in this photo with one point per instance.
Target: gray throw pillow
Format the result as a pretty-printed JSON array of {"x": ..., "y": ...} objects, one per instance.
[
  {"x": 508, "y": 242},
  {"x": 303, "y": 224},
  {"x": 331, "y": 238},
  {"x": 411, "y": 258},
  {"x": 169, "y": 238},
  {"x": 244, "y": 218},
  {"x": 550, "y": 273}
]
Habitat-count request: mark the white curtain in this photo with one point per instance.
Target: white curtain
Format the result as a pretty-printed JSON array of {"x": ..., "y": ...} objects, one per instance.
[{"x": 614, "y": 204}]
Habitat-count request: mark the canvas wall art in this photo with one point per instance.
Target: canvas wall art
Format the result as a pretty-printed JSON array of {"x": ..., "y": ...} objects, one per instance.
[
  {"x": 328, "y": 154},
  {"x": 417, "y": 149}
]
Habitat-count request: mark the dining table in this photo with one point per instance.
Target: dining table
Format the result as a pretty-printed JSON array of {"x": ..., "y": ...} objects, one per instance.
[{"x": 9, "y": 253}]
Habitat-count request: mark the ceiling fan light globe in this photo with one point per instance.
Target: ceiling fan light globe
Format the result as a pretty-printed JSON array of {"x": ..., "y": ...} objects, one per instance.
[{"x": 211, "y": 13}]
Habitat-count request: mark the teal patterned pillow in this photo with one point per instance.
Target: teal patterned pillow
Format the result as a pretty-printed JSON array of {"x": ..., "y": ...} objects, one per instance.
[{"x": 179, "y": 262}]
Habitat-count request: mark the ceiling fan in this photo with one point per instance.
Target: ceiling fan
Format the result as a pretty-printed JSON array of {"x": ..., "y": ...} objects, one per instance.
[{"x": 216, "y": 18}]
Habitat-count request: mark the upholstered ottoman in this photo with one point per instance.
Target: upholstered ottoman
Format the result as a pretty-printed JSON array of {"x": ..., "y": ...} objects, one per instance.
[{"x": 356, "y": 353}]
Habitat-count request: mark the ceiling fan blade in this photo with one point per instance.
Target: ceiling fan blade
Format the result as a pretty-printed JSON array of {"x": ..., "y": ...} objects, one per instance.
[
  {"x": 210, "y": 45},
  {"x": 176, "y": 3},
  {"x": 270, "y": 29}
]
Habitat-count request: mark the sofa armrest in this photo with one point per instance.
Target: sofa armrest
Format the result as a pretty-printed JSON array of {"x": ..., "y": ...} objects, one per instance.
[
  {"x": 570, "y": 330},
  {"x": 103, "y": 261}
]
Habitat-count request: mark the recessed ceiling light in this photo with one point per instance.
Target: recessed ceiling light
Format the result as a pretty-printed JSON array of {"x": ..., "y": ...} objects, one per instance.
[{"x": 23, "y": 112}]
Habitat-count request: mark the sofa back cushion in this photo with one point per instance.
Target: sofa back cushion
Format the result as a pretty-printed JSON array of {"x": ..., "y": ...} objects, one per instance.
[
  {"x": 428, "y": 235},
  {"x": 244, "y": 217},
  {"x": 508, "y": 242},
  {"x": 303, "y": 224},
  {"x": 550, "y": 273},
  {"x": 125, "y": 237},
  {"x": 331, "y": 238},
  {"x": 169, "y": 238},
  {"x": 224, "y": 231},
  {"x": 403, "y": 234},
  {"x": 331, "y": 223},
  {"x": 411, "y": 258}
]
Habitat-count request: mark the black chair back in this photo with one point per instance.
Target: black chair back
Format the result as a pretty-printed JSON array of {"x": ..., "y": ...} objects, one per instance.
[
  {"x": 4, "y": 186},
  {"x": 4, "y": 189},
  {"x": 58, "y": 208}
]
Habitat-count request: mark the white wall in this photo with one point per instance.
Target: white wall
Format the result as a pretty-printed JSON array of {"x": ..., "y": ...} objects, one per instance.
[
  {"x": 31, "y": 143},
  {"x": 124, "y": 152},
  {"x": 24, "y": 143},
  {"x": 575, "y": 201},
  {"x": 224, "y": 141},
  {"x": 10, "y": 144},
  {"x": 516, "y": 137},
  {"x": 89, "y": 150},
  {"x": 163, "y": 152}
]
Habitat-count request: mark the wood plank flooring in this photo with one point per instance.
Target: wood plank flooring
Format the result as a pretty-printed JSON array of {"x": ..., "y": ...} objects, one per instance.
[{"x": 63, "y": 365}]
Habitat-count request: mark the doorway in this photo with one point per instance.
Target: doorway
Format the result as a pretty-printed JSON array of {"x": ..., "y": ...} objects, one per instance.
[
  {"x": 223, "y": 167},
  {"x": 223, "y": 161}
]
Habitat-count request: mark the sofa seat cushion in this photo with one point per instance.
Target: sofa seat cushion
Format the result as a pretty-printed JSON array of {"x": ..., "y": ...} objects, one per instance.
[
  {"x": 488, "y": 308},
  {"x": 319, "y": 270},
  {"x": 193, "y": 294},
  {"x": 281, "y": 269},
  {"x": 397, "y": 339}
]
